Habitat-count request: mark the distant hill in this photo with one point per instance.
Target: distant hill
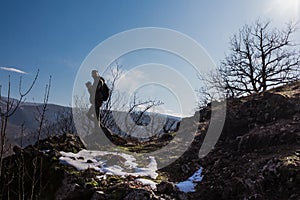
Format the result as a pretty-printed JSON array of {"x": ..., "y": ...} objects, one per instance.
[{"x": 28, "y": 114}]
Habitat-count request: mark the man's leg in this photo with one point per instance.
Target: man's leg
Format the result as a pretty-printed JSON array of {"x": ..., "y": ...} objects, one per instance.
[
  {"x": 91, "y": 114},
  {"x": 97, "y": 111}
]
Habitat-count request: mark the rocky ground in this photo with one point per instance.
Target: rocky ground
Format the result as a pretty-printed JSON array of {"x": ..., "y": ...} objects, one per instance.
[
  {"x": 258, "y": 154},
  {"x": 256, "y": 157}
]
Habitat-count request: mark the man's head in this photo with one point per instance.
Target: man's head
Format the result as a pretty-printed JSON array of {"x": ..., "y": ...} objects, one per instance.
[{"x": 95, "y": 74}]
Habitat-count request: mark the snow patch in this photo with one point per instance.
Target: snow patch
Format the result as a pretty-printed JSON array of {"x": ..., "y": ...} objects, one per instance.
[
  {"x": 143, "y": 181},
  {"x": 190, "y": 184},
  {"x": 96, "y": 159}
]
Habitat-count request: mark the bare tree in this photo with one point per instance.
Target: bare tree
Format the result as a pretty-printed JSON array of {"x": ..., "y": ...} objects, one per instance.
[
  {"x": 137, "y": 112},
  {"x": 146, "y": 105},
  {"x": 42, "y": 111},
  {"x": 8, "y": 107},
  {"x": 63, "y": 124},
  {"x": 114, "y": 99},
  {"x": 260, "y": 57},
  {"x": 37, "y": 162}
]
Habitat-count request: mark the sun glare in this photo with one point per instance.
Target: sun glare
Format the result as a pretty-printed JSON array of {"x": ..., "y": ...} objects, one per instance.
[{"x": 288, "y": 8}]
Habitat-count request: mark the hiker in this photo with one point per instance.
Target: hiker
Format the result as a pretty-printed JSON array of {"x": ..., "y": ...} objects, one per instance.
[
  {"x": 101, "y": 93},
  {"x": 91, "y": 112}
]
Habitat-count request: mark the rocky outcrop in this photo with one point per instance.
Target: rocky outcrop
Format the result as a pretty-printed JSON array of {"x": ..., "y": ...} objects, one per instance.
[
  {"x": 257, "y": 155},
  {"x": 44, "y": 177}
]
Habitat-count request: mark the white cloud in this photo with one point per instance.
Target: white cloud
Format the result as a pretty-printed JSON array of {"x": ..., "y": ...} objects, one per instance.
[
  {"x": 13, "y": 70},
  {"x": 130, "y": 80}
]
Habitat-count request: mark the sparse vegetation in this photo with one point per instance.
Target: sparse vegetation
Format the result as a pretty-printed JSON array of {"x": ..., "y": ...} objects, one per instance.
[{"x": 21, "y": 178}]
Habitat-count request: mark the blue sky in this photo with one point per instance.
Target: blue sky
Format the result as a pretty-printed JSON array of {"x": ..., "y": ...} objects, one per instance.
[{"x": 56, "y": 36}]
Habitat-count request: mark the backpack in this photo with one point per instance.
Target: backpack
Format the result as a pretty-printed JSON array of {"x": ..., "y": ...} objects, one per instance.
[
  {"x": 102, "y": 90},
  {"x": 105, "y": 91}
]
